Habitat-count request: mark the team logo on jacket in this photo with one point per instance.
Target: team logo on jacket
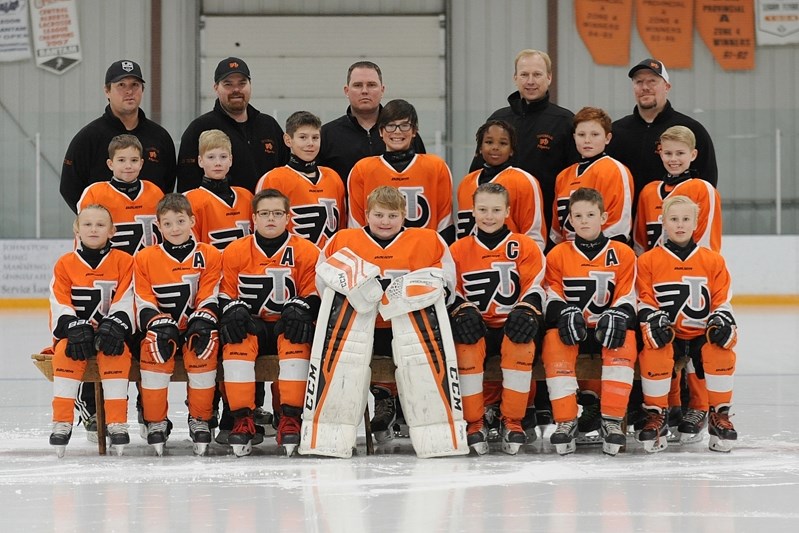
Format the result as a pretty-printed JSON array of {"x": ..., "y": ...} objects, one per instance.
[
  {"x": 593, "y": 293},
  {"x": 544, "y": 141},
  {"x": 312, "y": 222},
  {"x": 500, "y": 284},
  {"x": 269, "y": 292},
  {"x": 418, "y": 208},
  {"x": 153, "y": 154},
  {"x": 269, "y": 146},
  {"x": 691, "y": 299},
  {"x": 93, "y": 303}
]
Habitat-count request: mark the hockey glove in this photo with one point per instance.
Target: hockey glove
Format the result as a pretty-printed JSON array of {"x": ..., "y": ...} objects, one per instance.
[
  {"x": 611, "y": 329},
  {"x": 201, "y": 335},
  {"x": 657, "y": 330},
  {"x": 110, "y": 336},
  {"x": 521, "y": 326},
  {"x": 721, "y": 329},
  {"x": 162, "y": 338},
  {"x": 571, "y": 326},
  {"x": 236, "y": 322},
  {"x": 467, "y": 324},
  {"x": 296, "y": 321},
  {"x": 80, "y": 340}
]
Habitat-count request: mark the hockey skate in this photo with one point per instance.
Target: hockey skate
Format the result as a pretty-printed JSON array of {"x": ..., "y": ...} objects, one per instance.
[
  {"x": 157, "y": 434},
  {"x": 401, "y": 429},
  {"x": 529, "y": 424},
  {"x": 721, "y": 431},
  {"x": 288, "y": 431},
  {"x": 477, "y": 437},
  {"x": 59, "y": 438},
  {"x": 613, "y": 438},
  {"x": 492, "y": 423},
  {"x": 590, "y": 419},
  {"x": 267, "y": 421},
  {"x": 675, "y": 419},
  {"x": 513, "y": 436},
  {"x": 654, "y": 435},
  {"x": 385, "y": 415},
  {"x": 564, "y": 439},
  {"x": 200, "y": 435},
  {"x": 118, "y": 437},
  {"x": 692, "y": 425},
  {"x": 240, "y": 439},
  {"x": 90, "y": 424}
]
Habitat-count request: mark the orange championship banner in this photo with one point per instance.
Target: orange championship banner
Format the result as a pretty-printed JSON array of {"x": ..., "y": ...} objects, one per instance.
[
  {"x": 605, "y": 27},
  {"x": 667, "y": 29},
  {"x": 728, "y": 29}
]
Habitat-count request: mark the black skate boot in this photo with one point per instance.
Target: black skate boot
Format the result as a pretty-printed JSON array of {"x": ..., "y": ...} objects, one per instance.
[
  {"x": 241, "y": 437},
  {"x": 118, "y": 437},
  {"x": 492, "y": 424},
  {"x": 513, "y": 436},
  {"x": 200, "y": 434},
  {"x": 157, "y": 435},
  {"x": 692, "y": 425},
  {"x": 477, "y": 437},
  {"x": 613, "y": 438},
  {"x": 59, "y": 438},
  {"x": 529, "y": 424},
  {"x": 564, "y": 439},
  {"x": 722, "y": 433},
  {"x": 288, "y": 431},
  {"x": 590, "y": 419},
  {"x": 385, "y": 415},
  {"x": 654, "y": 435}
]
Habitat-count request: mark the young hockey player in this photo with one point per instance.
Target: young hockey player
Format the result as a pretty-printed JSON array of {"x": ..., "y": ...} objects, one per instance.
[
  {"x": 590, "y": 284},
  {"x": 316, "y": 193},
  {"x": 415, "y": 269},
  {"x": 424, "y": 179},
  {"x": 176, "y": 286},
  {"x": 269, "y": 303},
  {"x": 596, "y": 170},
  {"x": 497, "y": 311},
  {"x": 496, "y": 143},
  {"x": 91, "y": 312},
  {"x": 684, "y": 308}
]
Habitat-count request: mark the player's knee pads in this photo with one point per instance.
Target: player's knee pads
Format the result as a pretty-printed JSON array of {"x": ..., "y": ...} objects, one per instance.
[
  {"x": 559, "y": 365},
  {"x": 516, "y": 361},
  {"x": 717, "y": 360},
  {"x": 656, "y": 370}
]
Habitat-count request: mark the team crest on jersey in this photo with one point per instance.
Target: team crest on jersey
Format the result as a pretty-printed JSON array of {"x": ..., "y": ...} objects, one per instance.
[
  {"x": 176, "y": 298},
  {"x": 593, "y": 293},
  {"x": 93, "y": 303},
  {"x": 690, "y": 298},
  {"x": 465, "y": 224},
  {"x": 654, "y": 230},
  {"x": 418, "y": 208},
  {"x": 500, "y": 284},
  {"x": 221, "y": 238},
  {"x": 267, "y": 292},
  {"x": 131, "y": 237},
  {"x": 312, "y": 222}
]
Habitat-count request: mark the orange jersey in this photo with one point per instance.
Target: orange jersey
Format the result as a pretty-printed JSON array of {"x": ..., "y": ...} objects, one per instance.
[
  {"x": 89, "y": 293},
  {"x": 134, "y": 220},
  {"x": 217, "y": 222},
  {"x": 265, "y": 283},
  {"x": 496, "y": 280},
  {"x": 689, "y": 291},
  {"x": 648, "y": 219},
  {"x": 613, "y": 181},
  {"x": 317, "y": 210},
  {"x": 179, "y": 288},
  {"x": 526, "y": 204},
  {"x": 593, "y": 285},
  {"x": 426, "y": 184}
]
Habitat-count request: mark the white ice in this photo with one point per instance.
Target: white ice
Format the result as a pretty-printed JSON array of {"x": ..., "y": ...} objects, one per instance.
[{"x": 685, "y": 488}]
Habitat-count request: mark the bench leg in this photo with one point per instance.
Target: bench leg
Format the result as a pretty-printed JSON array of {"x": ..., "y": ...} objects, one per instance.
[
  {"x": 99, "y": 400},
  {"x": 367, "y": 424}
]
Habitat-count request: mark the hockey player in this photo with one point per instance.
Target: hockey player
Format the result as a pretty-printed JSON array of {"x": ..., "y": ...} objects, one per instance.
[
  {"x": 496, "y": 143},
  {"x": 497, "y": 311},
  {"x": 598, "y": 171},
  {"x": 424, "y": 179},
  {"x": 590, "y": 284},
  {"x": 269, "y": 303},
  {"x": 176, "y": 286},
  {"x": 316, "y": 193},
  {"x": 684, "y": 308},
  {"x": 91, "y": 312},
  {"x": 407, "y": 328}
]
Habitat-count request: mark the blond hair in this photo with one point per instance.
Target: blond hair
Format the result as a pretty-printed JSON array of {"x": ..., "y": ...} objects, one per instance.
[
  {"x": 671, "y": 201},
  {"x": 530, "y": 52},
  {"x": 213, "y": 139},
  {"x": 388, "y": 198},
  {"x": 679, "y": 134},
  {"x": 99, "y": 207}
]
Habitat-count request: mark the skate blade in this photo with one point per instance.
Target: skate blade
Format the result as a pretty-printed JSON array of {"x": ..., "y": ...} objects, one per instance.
[
  {"x": 511, "y": 448},
  {"x": 91, "y": 436},
  {"x": 655, "y": 446},
  {"x": 588, "y": 439},
  {"x": 719, "y": 445},
  {"x": 241, "y": 450},
  {"x": 691, "y": 438},
  {"x": 60, "y": 450},
  {"x": 566, "y": 448},
  {"x": 200, "y": 448},
  {"x": 289, "y": 448},
  {"x": 381, "y": 437},
  {"x": 481, "y": 448},
  {"x": 118, "y": 449},
  {"x": 608, "y": 448},
  {"x": 159, "y": 448}
]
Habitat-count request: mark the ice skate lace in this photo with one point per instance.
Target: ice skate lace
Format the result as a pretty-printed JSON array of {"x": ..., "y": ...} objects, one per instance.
[
  {"x": 693, "y": 417},
  {"x": 245, "y": 424},
  {"x": 384, "y": 409},
  {"x": 288, "y": 425},
  {"x": 721, "y": 420},
  {"x": 654, "y": 422},
  {"x": 197, "y": 425},
  {"x": 612, "y": 426},
  {"x": 566, "y": 427},
  {"x": 512, "y": 425},
  {"x": 116, "y": 428},
  {"x": 155, "y": 427},
  {"x": 62, "y": 428}
]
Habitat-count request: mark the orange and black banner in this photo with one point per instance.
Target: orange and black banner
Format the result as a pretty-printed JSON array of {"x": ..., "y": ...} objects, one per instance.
[
  {"x": 728, "y": 29},
  {"x": 666, "y": 27},
  {"x": 605, "y": 27}
]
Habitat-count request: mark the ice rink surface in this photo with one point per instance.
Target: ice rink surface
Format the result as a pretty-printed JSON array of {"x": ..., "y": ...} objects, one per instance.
[{"x": 683, "y": 489}]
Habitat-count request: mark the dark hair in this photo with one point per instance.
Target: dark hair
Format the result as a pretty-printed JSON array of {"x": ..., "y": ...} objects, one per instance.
[
  {"x": 300, "y": 119},
  {"x": 492, "y": 188},
  {"x": 175, "y": 202},
  {"x": 120, "y": 142},
  {"x": 397, "y": 110},
  {"x": 269, "y": 193},
  {"x": 481, "y": 131},
  {"x": 364, "y": 64},
  {"x": 586, "y": 194}
]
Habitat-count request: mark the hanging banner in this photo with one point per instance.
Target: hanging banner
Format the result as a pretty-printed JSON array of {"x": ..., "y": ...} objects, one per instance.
[
  {"x": 14, "y": 39},
  {"x": 56, "y": 39},
  {"x": 777, "y": 22},
  {"x": 728, "y": 29},
  {"x": 605, "y": 27},
  {"x": 667, "y": 29}
]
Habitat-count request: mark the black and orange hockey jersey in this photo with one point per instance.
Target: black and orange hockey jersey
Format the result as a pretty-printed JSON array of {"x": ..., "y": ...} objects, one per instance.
[
  {"x": 317, "y": 209},
  {"x": 688, "y": 290},
  {"x": 265, "y": 283},
  {"x": 134, "y": 219},
  {"x": 526, "y": 204},
  {"x": 78, "y": 290},
  {"x": 593, "y": 285},
  {"x": 426, "y": 183},
  {"x": 165, "y": 285},
  {"x": 218, "y": 223},
  {"x": 648, "y": 219},
  {"x": 613, "y": 181},
  {"x": 497, "y": 279}
]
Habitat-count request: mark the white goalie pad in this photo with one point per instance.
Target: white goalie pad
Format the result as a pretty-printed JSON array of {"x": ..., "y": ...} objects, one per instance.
[
  {"x": 339, "y": 372},
  {"x": 427, "y": 370}
]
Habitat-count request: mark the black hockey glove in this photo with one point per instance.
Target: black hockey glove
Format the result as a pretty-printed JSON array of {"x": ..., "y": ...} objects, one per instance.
[
  {"x": 110, "y": 336},
  {"x": 201, "y": 335},
  {"x": 296, "y": 321},
  {"x": 571, "y": 326},
  {"x": 162, "y": 338},
  {"x": 656, "y": 330},
  {"x": 467, "y": 324},
  {"x": 80, "y": 340},
  {"x": 611, "y": 329},
  {"x": 236, "y": 322},
  {"x": 521, "y": 326},
  {"x": 721, "y": 329}
]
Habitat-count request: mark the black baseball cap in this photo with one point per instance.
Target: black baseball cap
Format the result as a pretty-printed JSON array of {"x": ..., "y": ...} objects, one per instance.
[
  {"x": 123, "y": 68},
  {"x": 652, "y": 64},
  {"x": 231, "y": 65}
]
